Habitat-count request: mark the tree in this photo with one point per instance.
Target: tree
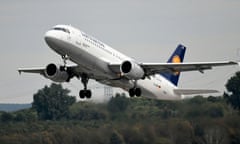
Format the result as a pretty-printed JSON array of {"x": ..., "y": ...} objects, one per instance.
[
  {"x": 233, "y": 94},
  {"x": 52, "y": 103},
  {"x": 115, "y": 139},
  {"x": 119, "y": 103},
  {"x": 27, "y": 115},
  {"x": 6, "y": 117}
]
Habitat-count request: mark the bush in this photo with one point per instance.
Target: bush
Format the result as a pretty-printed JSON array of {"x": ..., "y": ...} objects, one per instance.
[{"x": 6, "y": 117}]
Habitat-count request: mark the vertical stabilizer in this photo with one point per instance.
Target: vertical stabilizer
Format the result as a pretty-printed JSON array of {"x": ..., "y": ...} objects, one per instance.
[{"x": 176, "y": 57}]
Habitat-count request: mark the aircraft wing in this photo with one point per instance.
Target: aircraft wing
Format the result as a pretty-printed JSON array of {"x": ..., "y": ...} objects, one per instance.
[
  {"x": 154, "y": 68},
  {"x": 39, "y": 70},
  {"x": 73, "y": 69}
]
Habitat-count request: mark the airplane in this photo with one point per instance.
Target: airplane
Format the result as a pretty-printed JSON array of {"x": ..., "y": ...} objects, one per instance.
[{"x": 94, "y": 59}]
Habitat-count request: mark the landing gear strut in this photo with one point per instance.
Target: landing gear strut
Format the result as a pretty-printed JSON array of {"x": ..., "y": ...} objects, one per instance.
[
  {"x": 135, "y": 91},
  {"x": 85, "y": 92},
  {"x": 65, "y": 58}
]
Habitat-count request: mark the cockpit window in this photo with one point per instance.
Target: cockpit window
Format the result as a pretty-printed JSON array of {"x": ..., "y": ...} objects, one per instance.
[{"x": 62, "y": 29}]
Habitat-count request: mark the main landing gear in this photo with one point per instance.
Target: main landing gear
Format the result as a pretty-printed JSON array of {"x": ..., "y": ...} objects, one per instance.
[
  {"x": 85, "y": 92},
  {"x": 135, "y": 91}
]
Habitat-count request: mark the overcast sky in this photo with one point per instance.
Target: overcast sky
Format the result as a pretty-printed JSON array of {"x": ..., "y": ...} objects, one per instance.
[{"x": 146, "y": 30}]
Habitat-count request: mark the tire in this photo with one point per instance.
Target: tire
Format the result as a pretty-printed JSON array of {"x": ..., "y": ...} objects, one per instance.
[
  {"x": 88, "y": 94},
  {"x": 131, "y": 92},
  {"x": 82, "y": 94},
  {"x": 138, "y": 92}
]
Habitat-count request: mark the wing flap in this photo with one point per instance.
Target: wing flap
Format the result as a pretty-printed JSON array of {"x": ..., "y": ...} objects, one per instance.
[{"x": 115, "y": 67}]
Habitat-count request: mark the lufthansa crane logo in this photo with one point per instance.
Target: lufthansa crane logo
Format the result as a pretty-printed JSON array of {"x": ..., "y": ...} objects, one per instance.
[{"x": 176, "y": 59}]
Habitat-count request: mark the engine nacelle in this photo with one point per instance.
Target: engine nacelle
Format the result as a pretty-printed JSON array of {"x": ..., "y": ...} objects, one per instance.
[
  {"x": 54, "y": 73},
  {"x": 132, "y": 70}
]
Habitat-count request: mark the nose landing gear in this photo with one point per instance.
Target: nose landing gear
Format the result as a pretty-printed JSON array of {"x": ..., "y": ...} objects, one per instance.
[{"x": 65, "y": 58}]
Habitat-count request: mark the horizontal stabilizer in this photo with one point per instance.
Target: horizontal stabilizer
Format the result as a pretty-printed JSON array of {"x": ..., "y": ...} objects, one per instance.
[{"x": 193, "y": 91}]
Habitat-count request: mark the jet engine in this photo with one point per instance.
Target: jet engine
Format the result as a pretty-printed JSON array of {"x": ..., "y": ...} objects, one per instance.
[
  {"x": 56, "y": 73},
  {"x": 132, "y": 70}
]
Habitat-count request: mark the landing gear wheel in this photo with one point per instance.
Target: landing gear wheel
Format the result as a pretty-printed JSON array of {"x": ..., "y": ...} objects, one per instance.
[
  {"x": 135, "y": 91},
  {"x": 85, "y": 94},
  {"x": 131, "y": 92},
  {"x": 82, "y": 94},
  {"x": 88, "y": 94},
  {"x": 138, "y": 92}
]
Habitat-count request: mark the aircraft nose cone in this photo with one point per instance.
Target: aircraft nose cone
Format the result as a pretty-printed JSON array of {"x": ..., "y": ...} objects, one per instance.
[
  {"x": 49, "y": 37},
  {"x": 52, "y": 40}
]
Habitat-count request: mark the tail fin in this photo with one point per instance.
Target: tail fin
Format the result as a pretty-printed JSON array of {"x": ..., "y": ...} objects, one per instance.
[{"x": 176, "y": 57}]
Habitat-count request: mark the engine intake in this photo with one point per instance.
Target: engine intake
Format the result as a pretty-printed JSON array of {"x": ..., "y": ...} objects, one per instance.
[
  {"x": 132, "y": 70},
  {"x": 126, "y": 67},
  {"x": 55, "y": 73},
  {"x": 51, "y": 69}
]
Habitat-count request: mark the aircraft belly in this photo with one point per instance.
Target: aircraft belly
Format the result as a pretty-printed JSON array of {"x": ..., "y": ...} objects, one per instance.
[
  {"x": 154, "y": 89},
  {"x": 124, "y": 84},
  {"x": 148, "y": 87},
  {"x": 89, "y": 62}
]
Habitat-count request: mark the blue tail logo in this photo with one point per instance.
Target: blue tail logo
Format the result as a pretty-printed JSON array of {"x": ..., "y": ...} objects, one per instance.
[{"x": 176, "y": 57}]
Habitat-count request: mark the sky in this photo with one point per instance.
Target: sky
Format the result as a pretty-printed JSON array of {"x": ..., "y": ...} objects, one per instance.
[{"x": 145, "y": 30}]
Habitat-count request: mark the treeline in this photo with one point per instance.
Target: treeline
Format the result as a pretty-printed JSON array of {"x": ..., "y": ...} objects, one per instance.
[{"x": 195, "y": 121}]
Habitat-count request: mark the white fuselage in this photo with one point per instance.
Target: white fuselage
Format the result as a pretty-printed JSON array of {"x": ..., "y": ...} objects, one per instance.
[{"x": 94, "y": 57}]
